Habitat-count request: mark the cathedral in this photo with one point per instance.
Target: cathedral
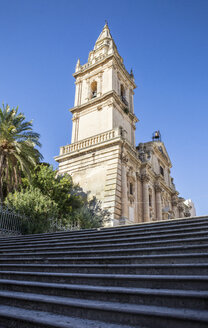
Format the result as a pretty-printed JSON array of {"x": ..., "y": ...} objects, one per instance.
[{"x": 133, "y": 183}]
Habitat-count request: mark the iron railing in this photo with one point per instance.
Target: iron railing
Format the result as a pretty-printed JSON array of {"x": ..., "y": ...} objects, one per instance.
[
  {"x": 11, "y": 223},
  {"x": 55, "y": 226}
]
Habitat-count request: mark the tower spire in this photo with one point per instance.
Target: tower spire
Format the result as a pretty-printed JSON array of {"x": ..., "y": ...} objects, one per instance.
[{"x": 104, "y": 35}]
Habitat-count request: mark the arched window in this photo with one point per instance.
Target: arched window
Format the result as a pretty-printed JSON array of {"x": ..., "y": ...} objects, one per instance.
[{"x": 93, "y": 89}]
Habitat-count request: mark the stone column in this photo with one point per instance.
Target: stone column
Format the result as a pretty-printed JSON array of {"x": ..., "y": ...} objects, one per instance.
[
  {"x": 139, "y": 197},
  {"x": 124, "y": 199},
  {"x": 75, "y": 128},
  {"x": 145, "y": 197},
  {"x": 158, "y": 200},
  {"x": 79, "y": 99},
  {"x": 136, "y": 200}
]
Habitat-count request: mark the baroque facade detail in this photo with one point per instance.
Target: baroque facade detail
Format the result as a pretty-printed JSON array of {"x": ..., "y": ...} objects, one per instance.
[{"x": 133, "y": 183}]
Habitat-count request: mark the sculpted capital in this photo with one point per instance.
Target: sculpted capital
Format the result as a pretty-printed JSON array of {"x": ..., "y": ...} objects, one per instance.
[
  {"x": 158, "y": 187},
  {"x": 145, "y": 177},
  {"x": 124, "y": 158}
]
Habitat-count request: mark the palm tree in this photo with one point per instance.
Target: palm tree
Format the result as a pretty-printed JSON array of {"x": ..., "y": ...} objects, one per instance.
[{"x": 18, "y": 154}]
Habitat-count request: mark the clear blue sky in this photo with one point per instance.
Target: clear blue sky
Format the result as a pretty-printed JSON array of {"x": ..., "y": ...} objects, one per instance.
[{"x": 166, "y": 43}]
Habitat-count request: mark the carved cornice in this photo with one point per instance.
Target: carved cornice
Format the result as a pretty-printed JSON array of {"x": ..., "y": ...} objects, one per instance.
[{"x": 92, "y": 103}]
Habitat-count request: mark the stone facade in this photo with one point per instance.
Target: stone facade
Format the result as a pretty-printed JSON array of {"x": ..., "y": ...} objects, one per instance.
[{"x": 133, "y": 183}]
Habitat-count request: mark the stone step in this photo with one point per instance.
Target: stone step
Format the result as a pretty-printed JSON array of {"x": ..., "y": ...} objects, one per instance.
[
  {"x": 161, "y": 297},
  {"x": 113, "y": 241},
  {"x": 189, "y": 225},
  {"x": 123, "y": 313},
  {"x": 170, "y": 258},
  {"x": 15, "y": 317},
  {"x": 186, "y": 282},
  {"x": 155, "y": 275},
  {"x": 166, "y": 269},
  {"x": 182, "y": 249},
  {"x": 128, "y": 245}
]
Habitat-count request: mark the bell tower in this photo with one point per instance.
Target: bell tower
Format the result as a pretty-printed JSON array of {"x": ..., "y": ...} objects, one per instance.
[
  {"x": 104, "y": 93},
  {"x": 103, "y": 131}
]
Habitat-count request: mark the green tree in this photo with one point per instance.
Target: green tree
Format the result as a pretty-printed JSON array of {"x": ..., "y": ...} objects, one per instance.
[
  {"x": 60, "y": 188},
  {"x": 38, "y": 208},
  {"x": 18, "y": 154}
]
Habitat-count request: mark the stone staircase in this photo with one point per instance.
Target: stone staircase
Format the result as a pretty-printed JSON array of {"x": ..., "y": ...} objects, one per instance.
[{"x": 146, "y": 275}]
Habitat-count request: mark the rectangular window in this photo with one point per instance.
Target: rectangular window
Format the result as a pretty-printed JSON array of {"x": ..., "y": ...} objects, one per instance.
[
  {"x": 162, "y": 171},
  {"x": 150, "y": 200},
  {"x": 131, "y": 189}
]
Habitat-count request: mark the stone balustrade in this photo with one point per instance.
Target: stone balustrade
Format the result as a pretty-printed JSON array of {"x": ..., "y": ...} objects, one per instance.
[{"x": 102, "y": 137}]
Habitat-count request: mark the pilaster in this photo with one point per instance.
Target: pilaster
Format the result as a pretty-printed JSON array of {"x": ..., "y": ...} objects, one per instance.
[
  {"x": 124, "y": 190},
  {"x": 139, "y": 197},
  {"x": 145, "y": 192},
  {"x": 158, "y": 200}
]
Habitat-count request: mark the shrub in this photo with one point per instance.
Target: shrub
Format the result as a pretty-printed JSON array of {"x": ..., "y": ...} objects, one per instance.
[{"x": 39, "y": 208}]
